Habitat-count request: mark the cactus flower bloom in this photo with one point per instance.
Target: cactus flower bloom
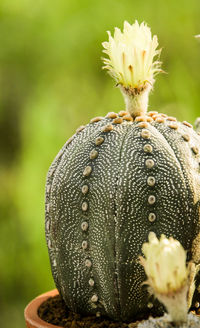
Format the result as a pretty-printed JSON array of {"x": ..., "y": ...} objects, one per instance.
[
  {"x": 132, "y": 63},
  {"x": 131, "y": 55},
  {"x": 165, "y": 264},
  {"x": 168, "y": 275}
]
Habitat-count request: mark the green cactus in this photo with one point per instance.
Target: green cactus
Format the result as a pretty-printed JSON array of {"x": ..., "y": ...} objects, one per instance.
[
  {"x": 117, "y": 179},
  {"x": 111, "y": 184}
]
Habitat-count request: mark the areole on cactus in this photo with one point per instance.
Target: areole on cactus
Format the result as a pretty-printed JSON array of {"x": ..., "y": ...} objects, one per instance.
[{"x": 117, "y": 179}]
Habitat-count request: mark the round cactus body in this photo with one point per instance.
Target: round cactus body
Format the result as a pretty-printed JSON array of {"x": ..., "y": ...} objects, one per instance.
[{"x": 112, "y": 183}]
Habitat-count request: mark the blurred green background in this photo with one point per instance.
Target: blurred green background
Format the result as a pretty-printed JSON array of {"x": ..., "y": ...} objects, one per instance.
[{"x": 51, "y": 82}]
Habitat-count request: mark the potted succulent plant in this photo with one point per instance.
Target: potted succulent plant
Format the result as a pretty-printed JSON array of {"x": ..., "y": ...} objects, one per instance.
[{"x": 116, "y": 180}]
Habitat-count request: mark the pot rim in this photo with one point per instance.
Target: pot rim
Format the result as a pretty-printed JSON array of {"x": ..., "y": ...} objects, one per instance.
[{"x": 31, "y": 311}]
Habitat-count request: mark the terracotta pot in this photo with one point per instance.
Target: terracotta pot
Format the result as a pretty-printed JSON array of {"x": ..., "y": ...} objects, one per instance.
[{"x": 31, "y": 311}]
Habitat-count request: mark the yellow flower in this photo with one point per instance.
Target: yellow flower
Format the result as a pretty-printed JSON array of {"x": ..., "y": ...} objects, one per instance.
[
  {"x": 131, "y": 56},
  {"x": 165, "y": 264}
]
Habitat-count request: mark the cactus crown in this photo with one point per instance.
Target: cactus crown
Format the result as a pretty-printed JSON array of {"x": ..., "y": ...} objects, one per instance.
[{"x": 118, "y": 178}]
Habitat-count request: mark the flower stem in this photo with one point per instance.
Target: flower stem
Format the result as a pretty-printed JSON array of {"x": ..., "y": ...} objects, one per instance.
[
  {"x": 136, "y": 103},
  {"x": 176, "y": 304}
]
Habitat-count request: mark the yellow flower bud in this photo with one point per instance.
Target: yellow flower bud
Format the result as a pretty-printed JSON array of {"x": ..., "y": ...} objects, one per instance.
[
  {"x": 132, "y": 63},
  {"x": 165, "y": 264},
  {"x": 168, "y": 276},
  {"x": 131, "y": 55}
]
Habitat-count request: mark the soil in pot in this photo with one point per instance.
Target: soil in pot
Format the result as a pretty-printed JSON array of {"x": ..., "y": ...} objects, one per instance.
[{"x": 54, "y": 311}]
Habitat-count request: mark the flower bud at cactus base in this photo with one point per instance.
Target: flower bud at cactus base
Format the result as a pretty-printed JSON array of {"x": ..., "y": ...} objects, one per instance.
[{"x": 168, "y": 275}]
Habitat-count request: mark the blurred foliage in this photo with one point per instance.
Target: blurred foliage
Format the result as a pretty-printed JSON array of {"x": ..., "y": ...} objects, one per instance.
[{"x": 50, "y": 83}]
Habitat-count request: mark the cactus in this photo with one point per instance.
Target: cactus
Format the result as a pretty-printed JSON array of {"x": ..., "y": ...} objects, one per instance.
[{"x": 117, "y": 179}]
